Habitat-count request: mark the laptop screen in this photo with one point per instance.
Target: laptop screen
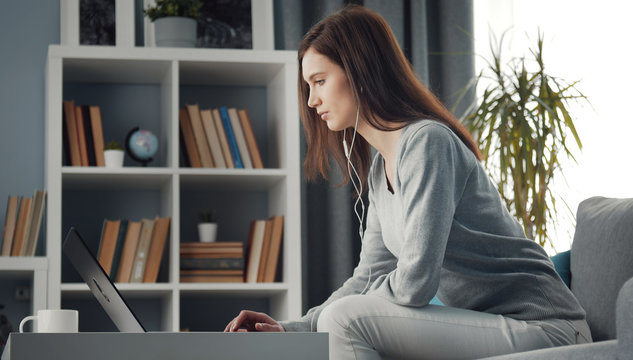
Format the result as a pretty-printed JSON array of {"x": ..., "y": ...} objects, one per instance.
[{"x": 100, "y": 284}]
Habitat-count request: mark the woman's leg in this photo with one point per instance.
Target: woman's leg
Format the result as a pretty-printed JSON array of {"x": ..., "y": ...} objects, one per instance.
[{"x": 369, "y": 327}]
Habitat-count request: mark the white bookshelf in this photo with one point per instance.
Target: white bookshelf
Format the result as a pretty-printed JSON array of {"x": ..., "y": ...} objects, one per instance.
[
  {"x": 32, "y": 268},
  {"x": 115, "y": 78}
]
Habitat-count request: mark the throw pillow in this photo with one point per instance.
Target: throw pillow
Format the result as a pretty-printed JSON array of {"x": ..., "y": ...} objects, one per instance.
[{"x": 561, "y": 264}]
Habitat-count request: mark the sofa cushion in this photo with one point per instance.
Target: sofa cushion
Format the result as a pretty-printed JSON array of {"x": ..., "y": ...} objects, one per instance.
[{"x": 602, "y": 259}]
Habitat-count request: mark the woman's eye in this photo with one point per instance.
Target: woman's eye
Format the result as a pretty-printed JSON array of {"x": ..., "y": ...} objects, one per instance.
[{"x": 319, "y": 82}]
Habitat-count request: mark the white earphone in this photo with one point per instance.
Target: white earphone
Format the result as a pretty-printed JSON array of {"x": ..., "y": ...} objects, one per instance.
[{"x": 358, "y": 186}]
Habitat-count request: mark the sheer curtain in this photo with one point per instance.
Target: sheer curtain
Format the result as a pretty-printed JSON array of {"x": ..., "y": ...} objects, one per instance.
[{"x": 436, "y": 36}]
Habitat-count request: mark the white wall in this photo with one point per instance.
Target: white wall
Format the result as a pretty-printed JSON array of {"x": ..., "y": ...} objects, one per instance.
[{"x": 590, "y": 41}]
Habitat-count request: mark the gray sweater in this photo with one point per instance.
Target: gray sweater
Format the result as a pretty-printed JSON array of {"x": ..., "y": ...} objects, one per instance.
[{"x": 445, "y": 230}]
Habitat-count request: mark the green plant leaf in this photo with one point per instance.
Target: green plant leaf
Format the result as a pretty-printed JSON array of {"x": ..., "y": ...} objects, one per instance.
[{"x": 522, "y": 124}]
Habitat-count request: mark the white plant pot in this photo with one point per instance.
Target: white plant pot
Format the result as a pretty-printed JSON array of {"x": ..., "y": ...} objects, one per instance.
[
  {"x": 113, "y": 158},
  {"x": 174, "y": 31},
  {"x": 207, "y": 232}
]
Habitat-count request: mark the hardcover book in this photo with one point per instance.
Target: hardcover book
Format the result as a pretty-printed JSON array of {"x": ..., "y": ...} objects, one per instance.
[
  {"x": 10, "y": 220},
  {"x": 230, "y": 136}
]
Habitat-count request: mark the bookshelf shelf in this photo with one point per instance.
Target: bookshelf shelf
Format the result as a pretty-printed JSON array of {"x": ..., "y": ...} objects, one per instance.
[
  {"x": 146, "y": 87},
  {"x": 22, "y": 265},
  {"x": 234, "y": 289}
]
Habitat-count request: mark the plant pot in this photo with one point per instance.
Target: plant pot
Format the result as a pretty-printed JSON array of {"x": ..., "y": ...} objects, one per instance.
[
  {"x": 175, "y": 31},
  {"x": 207, "y": 232},
  {"x": 113, "y": 158}
]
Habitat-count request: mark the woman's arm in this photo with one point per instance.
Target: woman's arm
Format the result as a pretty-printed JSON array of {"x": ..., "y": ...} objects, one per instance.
[
  {"x": 375, "y": 259},
  {"x": 432, "y": 171}
]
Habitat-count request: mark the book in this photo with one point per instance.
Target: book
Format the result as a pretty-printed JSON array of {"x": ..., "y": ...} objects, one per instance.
[
  {"x": 212, "y": 138},
  {"x": 212, "y": 278},
  {"x": 157, "y": 246},
  {"x": 265, "y": 249},
  {"x": 249, "y": 135},
  {"x": 212, "y": 272},
  {"x": 224, "y": 143},
  {"x": 191, "y": 263},
  {"x": 22, "y": 226},
  {"x": 211, "y": 245},
  {"x": 239, "y": 138},
  {"x": 129, "y": 249},
  {"x": 230, "y": 137},
  {"x": 190, "y": 142},
  {"x": 222, "y": 275},
  {"x": 10, "y": 220},
  {"x": 227, "y": 250},
  {"x": 97, "y": 134},
  {"x": 81, "y": 136},
  {"x": 90, "y": 146},
  {"x": 39, "y": 199},
  {"x": 107, "y": 244},
  {"x": 70, "y": 132},
  {"x": 270, "y": 269},
  {"x": 118, "y": 250},
  {"x": 256, "y": 240},
  {"x": 198, "y": 133},
  {"x": 140, "y": 256}
]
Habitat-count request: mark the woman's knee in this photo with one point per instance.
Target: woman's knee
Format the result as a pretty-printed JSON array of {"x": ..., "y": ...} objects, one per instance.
[{"x": 339, "y": 314}]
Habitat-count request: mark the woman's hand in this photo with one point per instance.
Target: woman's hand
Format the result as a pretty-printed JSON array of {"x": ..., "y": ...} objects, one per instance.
[{"x": 248, "y": 321}]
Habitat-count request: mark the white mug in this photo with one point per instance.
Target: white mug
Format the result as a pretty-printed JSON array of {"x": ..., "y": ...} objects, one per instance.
[{"x": 53, "y": 321}]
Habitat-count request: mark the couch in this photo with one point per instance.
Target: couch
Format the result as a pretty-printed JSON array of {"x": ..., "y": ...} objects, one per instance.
[{"x": 599, "y": 271}]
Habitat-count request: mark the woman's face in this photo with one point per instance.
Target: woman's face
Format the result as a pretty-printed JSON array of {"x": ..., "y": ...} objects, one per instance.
[{"x": 330, "y": 93}]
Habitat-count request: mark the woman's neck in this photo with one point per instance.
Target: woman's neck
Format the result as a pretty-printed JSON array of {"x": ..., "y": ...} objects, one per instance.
[{"x": 385, "y": 142}]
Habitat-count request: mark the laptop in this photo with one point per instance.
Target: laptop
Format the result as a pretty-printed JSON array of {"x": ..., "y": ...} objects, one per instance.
[{"x": 100, "y": 284}]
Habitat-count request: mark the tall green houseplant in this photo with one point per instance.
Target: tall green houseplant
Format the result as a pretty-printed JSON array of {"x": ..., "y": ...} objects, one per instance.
[{"x": 523, "y": 125}]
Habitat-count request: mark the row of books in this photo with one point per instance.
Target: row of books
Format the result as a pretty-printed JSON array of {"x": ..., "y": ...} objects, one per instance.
[
  {"x": 221, "y": 261},
  {"x": 83, "y": 135},
  {"x": 131, "y": 251},
  {"x": 227, "y": 261},
  {"x": 220, "y": 138},
  {"x": 264, "y": 244},
  {"x": 22, "y": 224}
]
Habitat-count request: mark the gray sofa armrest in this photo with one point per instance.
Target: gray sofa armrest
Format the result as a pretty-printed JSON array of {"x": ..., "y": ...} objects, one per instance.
[
  {"x": 593, "y": 351},
  {"x": 624, "y": 321}
]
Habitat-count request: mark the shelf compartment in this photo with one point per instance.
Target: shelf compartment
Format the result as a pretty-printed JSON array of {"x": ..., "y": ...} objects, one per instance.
[
  {"x": 235, "y": 209},
  {"x": 152, "y": 304},
  {"x": 200, "y": 311},
  {"x": 150, "y": 308}
]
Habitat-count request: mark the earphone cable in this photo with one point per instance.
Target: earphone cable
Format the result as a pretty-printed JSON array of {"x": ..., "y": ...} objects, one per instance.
[{"x": 358, "y": 186}]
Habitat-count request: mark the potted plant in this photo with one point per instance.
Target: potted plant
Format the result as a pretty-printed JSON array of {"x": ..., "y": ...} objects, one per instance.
[
  {"x": 207, "y": 227},
  {"x": 175, "y": 22},
  {"x": 113, "y": 154},
  {"x": 523, "y": 125}
]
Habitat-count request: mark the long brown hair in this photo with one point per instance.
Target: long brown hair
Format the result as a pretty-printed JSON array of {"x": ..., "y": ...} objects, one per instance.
[{"x": 382, "y": 80}]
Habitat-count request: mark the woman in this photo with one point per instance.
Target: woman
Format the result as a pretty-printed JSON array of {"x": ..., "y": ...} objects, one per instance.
[{"x": 435, "y": 223}]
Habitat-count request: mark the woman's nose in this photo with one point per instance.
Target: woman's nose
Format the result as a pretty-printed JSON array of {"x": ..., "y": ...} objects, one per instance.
[{"x": 313, "y": 100}]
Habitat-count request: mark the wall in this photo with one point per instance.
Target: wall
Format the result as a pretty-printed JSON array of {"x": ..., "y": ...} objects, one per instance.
[{"x": 26, "y": 29}]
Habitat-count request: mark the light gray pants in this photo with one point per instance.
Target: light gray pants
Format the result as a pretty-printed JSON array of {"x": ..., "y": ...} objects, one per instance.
[{"x": 369, "y": 327}]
